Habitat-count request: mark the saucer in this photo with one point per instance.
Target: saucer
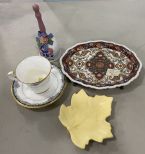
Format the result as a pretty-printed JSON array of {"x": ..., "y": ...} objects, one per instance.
[{"x": 25, "y": 97}]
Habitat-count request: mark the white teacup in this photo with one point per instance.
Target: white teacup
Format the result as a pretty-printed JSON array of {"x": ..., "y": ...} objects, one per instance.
[{"x": 33, "y": 71}]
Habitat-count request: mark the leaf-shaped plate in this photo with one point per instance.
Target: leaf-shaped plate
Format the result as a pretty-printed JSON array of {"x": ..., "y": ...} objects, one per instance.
[
  {"x": 85, "y": 118},
  {"x": 100, "y": 64}
]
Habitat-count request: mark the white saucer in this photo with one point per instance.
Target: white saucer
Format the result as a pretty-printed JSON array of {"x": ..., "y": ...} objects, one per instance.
[{"x": 27, "y": 98}]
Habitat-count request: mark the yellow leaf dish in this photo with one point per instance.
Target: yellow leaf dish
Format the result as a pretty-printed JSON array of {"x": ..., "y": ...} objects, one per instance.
[{"x": 85, "y": 119}]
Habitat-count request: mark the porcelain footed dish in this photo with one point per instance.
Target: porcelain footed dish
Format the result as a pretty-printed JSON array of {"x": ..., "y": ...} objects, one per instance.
[
  {"x": 100, "y": 64},
  {"x": 29, "y": 99}
]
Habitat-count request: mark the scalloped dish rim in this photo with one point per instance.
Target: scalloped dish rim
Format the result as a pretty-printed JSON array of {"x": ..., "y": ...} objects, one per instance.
[{"x": 105, "y": 87}]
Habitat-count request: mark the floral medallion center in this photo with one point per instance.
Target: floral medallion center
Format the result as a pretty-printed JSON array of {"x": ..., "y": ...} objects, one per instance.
[{"x": 99, "y": 65}]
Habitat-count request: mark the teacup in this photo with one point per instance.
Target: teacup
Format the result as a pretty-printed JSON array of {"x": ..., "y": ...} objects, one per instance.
[{"x": 33, "y": 71}]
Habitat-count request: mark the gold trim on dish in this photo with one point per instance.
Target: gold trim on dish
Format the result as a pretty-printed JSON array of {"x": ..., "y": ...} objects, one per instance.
[{"x": 37, "y": 106}]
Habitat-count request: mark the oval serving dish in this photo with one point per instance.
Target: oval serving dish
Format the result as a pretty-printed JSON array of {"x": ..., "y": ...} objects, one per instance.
[{"x": 100, "y": 64}]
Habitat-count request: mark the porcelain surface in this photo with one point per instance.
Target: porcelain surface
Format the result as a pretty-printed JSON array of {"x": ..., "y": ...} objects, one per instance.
[
  {"x": 100, "y": 64},
  {"x": 85, "y": 118},
  {"x": 26, "y": 96}
]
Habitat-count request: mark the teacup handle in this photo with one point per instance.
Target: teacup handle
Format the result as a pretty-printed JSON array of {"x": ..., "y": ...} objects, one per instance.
[{"x": 12, "y": 76}]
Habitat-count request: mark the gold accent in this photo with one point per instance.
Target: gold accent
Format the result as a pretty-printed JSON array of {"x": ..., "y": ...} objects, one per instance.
[
  {"x": 34, "y": 82},
  {"x": 43, "y": 91},
  {"x": 38, "y": 106}
]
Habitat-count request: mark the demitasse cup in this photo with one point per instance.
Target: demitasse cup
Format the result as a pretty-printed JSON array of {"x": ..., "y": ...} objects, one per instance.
[{"x": 33, "y": 71}]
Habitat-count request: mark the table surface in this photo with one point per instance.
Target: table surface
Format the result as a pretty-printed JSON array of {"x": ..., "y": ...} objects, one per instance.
[{"x": 24, "y": 131}]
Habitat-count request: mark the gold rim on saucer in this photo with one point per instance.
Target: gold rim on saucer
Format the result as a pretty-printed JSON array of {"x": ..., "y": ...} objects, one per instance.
[{"x": 37, "y": 106}]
